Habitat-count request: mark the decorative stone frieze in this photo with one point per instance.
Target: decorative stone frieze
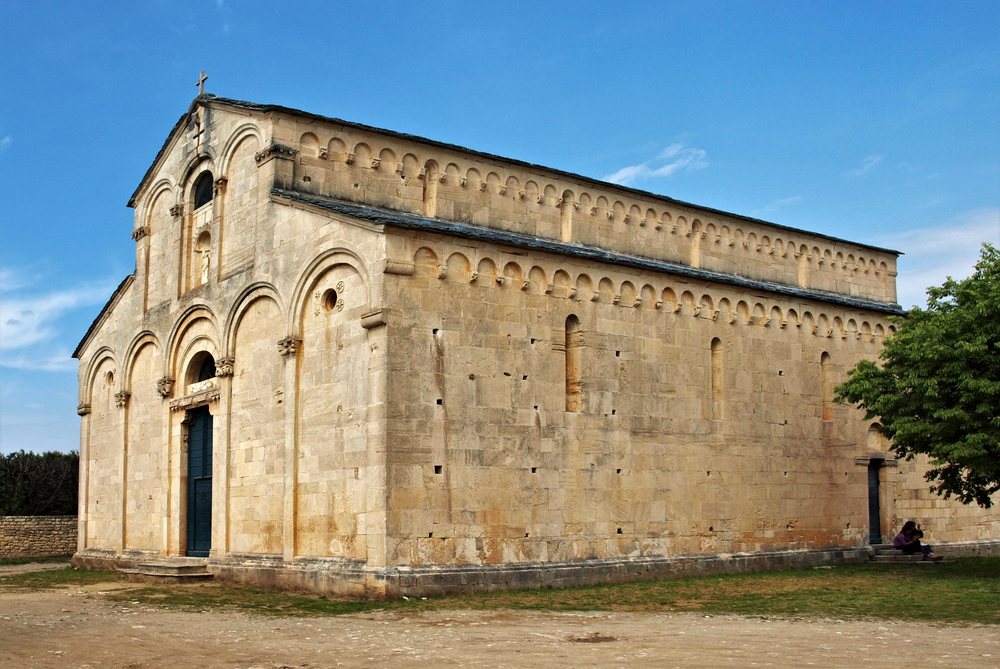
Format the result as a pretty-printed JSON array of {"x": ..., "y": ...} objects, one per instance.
[
  {"x": 289, "y": 346},
  {"x": 207, "y": 396},
  {"x": 121, "y": 399},
  {"x": 165, "y": 386},
  {"x": 224, "y": 367},
  {"x": 140, "y": 232}
]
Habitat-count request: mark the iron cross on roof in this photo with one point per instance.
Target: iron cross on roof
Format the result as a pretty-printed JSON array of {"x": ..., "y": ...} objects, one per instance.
[{"x": 202, "y": 78}]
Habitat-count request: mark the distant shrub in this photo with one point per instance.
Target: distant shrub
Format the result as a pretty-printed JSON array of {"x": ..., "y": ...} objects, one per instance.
[{"x": 39, "y": 484}]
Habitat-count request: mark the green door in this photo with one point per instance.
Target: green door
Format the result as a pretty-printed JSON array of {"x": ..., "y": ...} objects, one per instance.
[{"x": 199, "y": 492}]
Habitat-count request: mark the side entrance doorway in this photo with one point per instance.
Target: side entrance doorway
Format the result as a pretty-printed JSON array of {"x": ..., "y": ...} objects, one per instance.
[
  {"x": 874, "y": 508},
  {"x": 199, "y": 483}
]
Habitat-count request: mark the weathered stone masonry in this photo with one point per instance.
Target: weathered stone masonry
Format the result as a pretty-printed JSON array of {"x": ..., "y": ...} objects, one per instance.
[
  {"x": 37, "y": 536},
  {"x": 357, "y": 361}
]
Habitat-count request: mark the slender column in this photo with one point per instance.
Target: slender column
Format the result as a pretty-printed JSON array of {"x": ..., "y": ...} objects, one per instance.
[
  {"x": 289, "y": 349},
  {"x": 83, "y": 410},
  {"x": 222, "y": 433},
  {"x": 165, "y": 388},
  {"x": 121, "y": 402}
]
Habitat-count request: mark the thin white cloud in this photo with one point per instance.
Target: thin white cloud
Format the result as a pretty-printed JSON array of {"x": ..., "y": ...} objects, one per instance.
[
  {"x": 55, "y": 361},
  {"x": 932, "y": 254},
  {"x": 777, "y": 205},
  {"x": 868, "y": 163},
  {"x": 672, "y": 159},
  {"x": 28, "y": 320},
  {"x": 10, "y": 281},
  {"x": 5, "y": 142}
]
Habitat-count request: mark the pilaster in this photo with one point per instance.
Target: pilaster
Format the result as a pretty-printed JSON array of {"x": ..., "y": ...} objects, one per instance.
[
  {"x": 289, "y": 349},
  {"x": 376, "y": 492}
]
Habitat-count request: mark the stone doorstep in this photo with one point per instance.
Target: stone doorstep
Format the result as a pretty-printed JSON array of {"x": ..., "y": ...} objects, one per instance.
[
  {"x": 886, "y": 554},
  {"x": 182, "y": 570}
]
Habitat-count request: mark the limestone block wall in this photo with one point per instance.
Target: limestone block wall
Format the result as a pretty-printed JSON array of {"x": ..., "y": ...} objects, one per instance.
[
  {"x": 942, "y": 520},
  {"x": 705, "y": 420},
  {"x": 37, "y": 536},
  {"x": 292, "y": 431}
]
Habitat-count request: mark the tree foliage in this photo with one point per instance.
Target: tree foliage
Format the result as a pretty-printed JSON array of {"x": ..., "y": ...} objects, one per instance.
[
  {"x": 937, "y": 389},
  {"x": 39, "y": 484}
]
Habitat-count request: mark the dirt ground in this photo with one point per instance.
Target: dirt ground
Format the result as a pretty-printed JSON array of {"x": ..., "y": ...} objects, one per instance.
[{"x": 81, "y": 627}]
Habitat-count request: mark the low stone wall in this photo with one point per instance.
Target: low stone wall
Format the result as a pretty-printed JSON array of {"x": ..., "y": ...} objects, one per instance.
[{"x": 37, "y": 536}]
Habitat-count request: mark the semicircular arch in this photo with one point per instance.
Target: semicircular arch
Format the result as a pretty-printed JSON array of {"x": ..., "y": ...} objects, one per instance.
[{"x": 313, "y": 271}]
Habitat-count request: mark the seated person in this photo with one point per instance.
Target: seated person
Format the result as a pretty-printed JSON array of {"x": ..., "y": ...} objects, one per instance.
[{"x": 908, "y": 542}]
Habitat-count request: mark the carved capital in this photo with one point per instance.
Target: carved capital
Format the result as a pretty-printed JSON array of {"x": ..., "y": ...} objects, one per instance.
[
  {"x": 274, "y": 151},
  {"x": 376, "y": 162},
  {"x": 82, "y": 409},
  {"x": 349, "y": 158},
  {"x": 165, "y": 386},
  {"x": 224, "y": 367},
  {"x": 140, "y": 232},
  {"x": 324, "y": 153},
  {"x": 289, "y": 346},
  {"x": 121, "y": 399},
  {"x": 177, "y": 210},
  {"x": 220, "y": 185}
]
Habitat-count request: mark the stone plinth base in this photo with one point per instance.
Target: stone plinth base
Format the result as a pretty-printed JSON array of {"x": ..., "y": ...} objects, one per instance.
[{"x": 348, "y": 578}]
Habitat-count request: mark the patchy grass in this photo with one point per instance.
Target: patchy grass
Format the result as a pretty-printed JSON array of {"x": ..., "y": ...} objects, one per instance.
[
  {"x": 964, "y": 591},
  {"x": 56, "y": 578}
]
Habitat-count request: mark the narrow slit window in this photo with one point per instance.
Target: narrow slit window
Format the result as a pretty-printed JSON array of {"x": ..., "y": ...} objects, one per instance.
[
  {"x": 826, "y": 381},
  {"x": 716, "y": 382},
  {"x": 574, "y": 363}
]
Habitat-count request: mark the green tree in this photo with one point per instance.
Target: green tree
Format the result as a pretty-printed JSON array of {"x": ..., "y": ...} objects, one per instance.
[
  {"x": 937, "y": 389},
  {"x": 39, "y": 484}
]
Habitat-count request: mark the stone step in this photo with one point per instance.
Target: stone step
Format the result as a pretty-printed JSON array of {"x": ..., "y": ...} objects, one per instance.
[
  {"x": 169, "y": 571},
  {"x": 889, "y": 555}
]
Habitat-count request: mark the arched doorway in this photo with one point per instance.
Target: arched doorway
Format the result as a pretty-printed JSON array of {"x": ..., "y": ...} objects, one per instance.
[
  {"x": 199, "y": 466},
  {"x": 199, "y": 493}
]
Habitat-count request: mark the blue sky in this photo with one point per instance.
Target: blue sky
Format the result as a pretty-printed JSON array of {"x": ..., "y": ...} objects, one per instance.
[{"x": 878, "y": 122}]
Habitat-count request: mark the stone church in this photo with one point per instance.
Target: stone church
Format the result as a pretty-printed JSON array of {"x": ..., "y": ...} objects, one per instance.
[{"x": 362, "y": 362}]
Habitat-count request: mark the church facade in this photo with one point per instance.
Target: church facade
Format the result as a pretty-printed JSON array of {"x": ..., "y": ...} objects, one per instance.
[{"x": 362, "y": 362}]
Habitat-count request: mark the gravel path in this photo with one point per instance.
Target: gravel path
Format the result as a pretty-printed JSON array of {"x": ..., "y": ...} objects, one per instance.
[{"x": 83, "y": 628}]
